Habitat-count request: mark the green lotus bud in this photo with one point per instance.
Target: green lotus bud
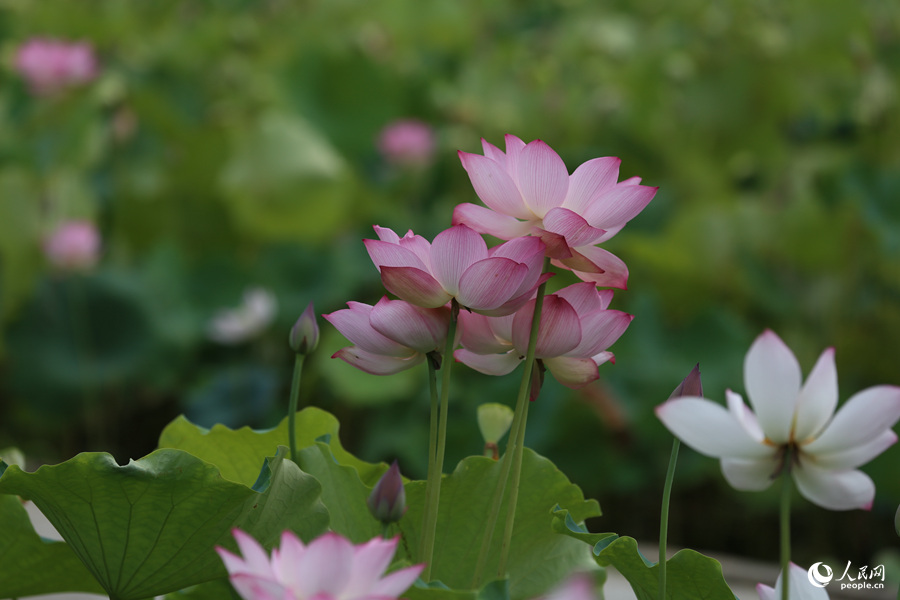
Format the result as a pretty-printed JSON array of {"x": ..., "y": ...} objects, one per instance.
[
  {"x": 387, "y": 502},
  {"x": 494, "y": 421},
  {"x": 304, "y": 336}
]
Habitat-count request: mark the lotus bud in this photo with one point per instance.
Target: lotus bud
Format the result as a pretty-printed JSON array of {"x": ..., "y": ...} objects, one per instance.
[
  {"x": 690, "y": 386},
  {"x": 304, "y": 335},
  {"x": 494, "y": 421},
  {"x": 387, "y": 502}
]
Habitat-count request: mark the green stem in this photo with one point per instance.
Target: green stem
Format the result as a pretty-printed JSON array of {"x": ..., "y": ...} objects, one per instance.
[
  {"x": 432, "y": 450},
  {"x": 508, "y": 456},
  {"x": 433, "y": 499},
  {"x": 664, "y": 517},
  {"x": 292, "y": 406},
  {"x": 785, "y": 518}
]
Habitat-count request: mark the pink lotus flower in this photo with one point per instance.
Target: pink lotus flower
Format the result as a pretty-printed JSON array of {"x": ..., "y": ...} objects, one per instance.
[
  {"x": 577, "y": 587},
  {"x": 576, "y": 329},
  {"x": 528, "y": 191},
  {"x": 391, "y": 336},
  {"x": 50, "y": 66},
  {"x": 73, "y": 246},
  {"x": 458, "y": 265},
  {"x": 407, "y": 143},
  {"x": 328, "y": 568},
  {"x": 825, "y": 449},
  {"x": 800, "y": 587}
]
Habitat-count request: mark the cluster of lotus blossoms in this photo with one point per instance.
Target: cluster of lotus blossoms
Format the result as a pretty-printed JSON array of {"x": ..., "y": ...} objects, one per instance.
[
  {"x": 541, "y": 211},
  {"x": 50, "y": 66}
]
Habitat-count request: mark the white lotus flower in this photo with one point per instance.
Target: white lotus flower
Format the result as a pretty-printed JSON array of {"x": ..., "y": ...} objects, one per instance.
[
  {"x": 788, "y": 419},
  {"x": 800, "y": 587}
]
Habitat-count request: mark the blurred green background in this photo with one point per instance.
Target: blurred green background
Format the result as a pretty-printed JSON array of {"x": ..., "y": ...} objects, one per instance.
[{"x": 232, "y": 144}]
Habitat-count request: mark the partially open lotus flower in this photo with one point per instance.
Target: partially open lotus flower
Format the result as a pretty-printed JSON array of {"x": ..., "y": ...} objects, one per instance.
[
  {"x": 328, "y": 568},
  {"x": 792, "y": 427},
  {"x": 391, "y": 336},
  {"x": 458, "y": 265},
  {"x": 575, "y": 331},
  {"x": 528, "y": 191}
]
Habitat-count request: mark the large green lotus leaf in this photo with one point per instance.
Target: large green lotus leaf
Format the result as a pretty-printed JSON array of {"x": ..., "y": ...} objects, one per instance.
[
  {"x": 689, "y": 574},
  {"x": 30, "y": 565},
  {"x": 539, "y": 559},
  {"x": 237, "y": 452},
  {"x": 150, "y": 527}
]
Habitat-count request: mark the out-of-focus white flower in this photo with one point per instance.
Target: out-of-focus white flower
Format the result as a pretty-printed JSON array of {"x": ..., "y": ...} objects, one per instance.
[
  {"x": 235, "y": 325},
  {"x": 73, "y": 246},
  {"x": 800, "y": 587}
]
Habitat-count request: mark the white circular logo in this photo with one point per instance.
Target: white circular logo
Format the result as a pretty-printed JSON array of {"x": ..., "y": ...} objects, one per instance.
[{"x": 816, "y": 578}]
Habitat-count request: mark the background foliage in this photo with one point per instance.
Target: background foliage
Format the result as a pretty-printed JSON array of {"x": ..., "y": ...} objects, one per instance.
[{"x": 232, "y": 144}]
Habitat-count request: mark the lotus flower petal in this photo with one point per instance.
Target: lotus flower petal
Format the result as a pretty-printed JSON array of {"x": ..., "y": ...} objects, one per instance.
[
  {"x": 772, "y": 376},
  {"x": 835, "y": 490}
]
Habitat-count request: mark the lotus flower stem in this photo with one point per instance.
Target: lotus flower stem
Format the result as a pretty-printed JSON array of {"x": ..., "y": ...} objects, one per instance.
[
  {"x": 512, "y": 445},
  {"x": 664, "y": 517},
  {"x": 785, "y": 518},
  {"x": 292, "y": 405},
  {"x": 433, "y": 485},
  {"x": 519, "y": 432}
]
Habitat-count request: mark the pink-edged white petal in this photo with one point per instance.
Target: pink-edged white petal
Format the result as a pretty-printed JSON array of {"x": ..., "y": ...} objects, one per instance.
[
  {"x": 494, "y": 185},
  {"x": 559, "y": 330},
  {"x": 453, "y": 251},
  {"x": 542, "y": 177},
  {"x": 485, "y": 220},
  {"x": 477, "y": 333},
  {"x": 772, "y": 378},
  {"x": 327, "y": 567},
  {"x": 749, "y": 474},
  {"x": 572, "y": 226},
  {"x": 253, "y": 587},
  {"x": 589, "y": 180},
  {"x": 834, "y": 490},
  {"x": 854, "y": 456},
  {"x": 618, "y": 205},
  {"x": 800, "y": 587},
  {"x": 573, "y": 373},
  {"x": 370, "y": 561},
  {"x": 490, "y": 283},
  {"x": 744, "y": 416},
  {"x": 865, "y": 416},
  {"x": 489, "y": 364},
  {"x": 709, "y": 429},
  {"x": 577, "y": 587},
  {"x": 289, "y": 554},
  {"x": 423, "y": 329},
  {"x": 415, "y": 285},
  {"x": 255, "y": 559},
  {"x": 600, "y": 330},
  {"x": 378, "y": 364},
  {"x": 610, "y": 269},
  {"x": 394, "y": 584},
  {"x": 818, "y": 398}
]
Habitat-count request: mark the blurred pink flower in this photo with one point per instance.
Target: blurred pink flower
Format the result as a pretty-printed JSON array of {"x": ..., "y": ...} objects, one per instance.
[
  {"x": 407, "y": 143},
  {"x": 579, "y": 586},
  {"x": 391, "y": 336},
  {"x": 800, "y": 587},
  {"x": 794, "y": 421},
  {"x": 73, "y": 246},
  {"x": 575, "y": 331},
  {"x": 528, "y": 191},
  {"x": 50, "y": 66},
  {"x": 328, "y": 568},
  {"x": 458, "y": 265}
]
